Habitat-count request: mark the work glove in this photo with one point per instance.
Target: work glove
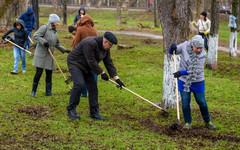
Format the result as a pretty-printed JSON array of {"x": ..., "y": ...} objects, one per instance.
[
  {"x": 194, "y": 23},
  {"x": 119, "y": 82},
  {"x": 3, "y": 37},
  {"x": 46, "y": 44},
  {"x": 104, "y": 76},
  {"x": 205, "y": 32},
  {"x": 67, "y": 51},
  {"x": 177, "y": 74},
  {"x": 173, "y": 48}
]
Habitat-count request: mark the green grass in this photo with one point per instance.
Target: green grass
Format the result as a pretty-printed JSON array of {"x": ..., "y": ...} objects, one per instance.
[{"x": 41, "y": 122}]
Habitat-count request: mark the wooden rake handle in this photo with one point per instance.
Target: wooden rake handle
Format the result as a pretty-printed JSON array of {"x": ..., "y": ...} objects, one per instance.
[
  {"x": 18, "y": 46},
  {"x": 50, "y": 52},
  {"x": 176, "y": 82},
  {"x": 138, "y": 96}
]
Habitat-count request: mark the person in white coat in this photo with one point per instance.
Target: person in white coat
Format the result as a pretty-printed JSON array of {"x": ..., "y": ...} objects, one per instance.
[{"x": 203, "y": 25}]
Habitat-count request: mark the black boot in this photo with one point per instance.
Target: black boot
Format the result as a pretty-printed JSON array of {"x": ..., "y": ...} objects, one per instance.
[
  {"x": 73, "y": 114},
  {"x": 34, "y": 89},
  {"x": 97, "y": 117},
  {"x": 49, "y": 89}
]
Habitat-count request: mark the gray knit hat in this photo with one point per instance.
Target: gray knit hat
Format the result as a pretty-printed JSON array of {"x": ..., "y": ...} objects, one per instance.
[
  {"x": 53, "y": 18},
  {"x": 197, "y": 41}
]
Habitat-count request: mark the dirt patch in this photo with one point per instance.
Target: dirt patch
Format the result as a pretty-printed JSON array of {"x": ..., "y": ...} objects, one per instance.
[
  {"x": 63, "y": 70},
  {"x": 175, "y": 130},
  {"x": 36, "y": 112},
  {"x": 149, "y": 41},
  {"x": 68, "y": 37}
]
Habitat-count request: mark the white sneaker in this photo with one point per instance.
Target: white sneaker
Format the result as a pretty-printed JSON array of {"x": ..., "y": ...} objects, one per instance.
[
  {"x": 24, "y": 71},
  {"x": 14, "y": 72}
]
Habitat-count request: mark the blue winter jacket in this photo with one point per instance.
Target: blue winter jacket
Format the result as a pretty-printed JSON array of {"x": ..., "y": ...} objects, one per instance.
[
  {"x": 20, "y": 36},
  {"x": 29, "y": 19},
  {"x": 78, "y": 16}
]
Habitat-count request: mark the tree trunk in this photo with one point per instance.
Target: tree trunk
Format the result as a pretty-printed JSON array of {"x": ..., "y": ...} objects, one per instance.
[
  {"x": 233, "y": 33},
  {"x": 64, "y": 3},
  {"x": 155, "y": 14},
  {"x": 118, "y": 12},
  {"x": 36, "y": 12},
  {"x": 200, "y": 8},
  {"x": 213, "y": 38},
  {"x": 174, "y": 18}
]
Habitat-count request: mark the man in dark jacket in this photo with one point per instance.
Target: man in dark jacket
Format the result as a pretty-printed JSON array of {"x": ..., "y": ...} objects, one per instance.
[
  {"x": 29, "y": 21},
  {"x": 83, "y": 62},
  {"x": 80, "y": 14}
]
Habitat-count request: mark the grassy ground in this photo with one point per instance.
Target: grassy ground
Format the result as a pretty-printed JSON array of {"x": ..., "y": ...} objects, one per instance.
[{"x": 41, "y": 122}]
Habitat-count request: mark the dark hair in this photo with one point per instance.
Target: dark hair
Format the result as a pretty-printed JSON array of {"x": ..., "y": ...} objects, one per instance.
[
  {"x": 204, "y": 13},
  {"x": 71, "y": 29}
]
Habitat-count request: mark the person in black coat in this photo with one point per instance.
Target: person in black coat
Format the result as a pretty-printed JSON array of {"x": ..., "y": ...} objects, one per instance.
[{"x": 83, "y": 62}]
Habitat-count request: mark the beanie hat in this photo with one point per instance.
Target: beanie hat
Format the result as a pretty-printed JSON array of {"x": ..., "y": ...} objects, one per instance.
[
  {"x": 53, "y": 18},
  {"x": 197, "y": 41},
  {"x": 110, "y": 37},
  {"x": 71, "y": 29},
  {"x": 204, "y": 14}
]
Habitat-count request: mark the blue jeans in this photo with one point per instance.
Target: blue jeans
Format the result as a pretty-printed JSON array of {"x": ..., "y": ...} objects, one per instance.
[
  {"x": 17, "y": 52},
  {"x": 205, "y": 39},
  {"x": 29, "y": 42},
  {"x": 84, "y": 92},
  {"x": 200, "y": 98}
]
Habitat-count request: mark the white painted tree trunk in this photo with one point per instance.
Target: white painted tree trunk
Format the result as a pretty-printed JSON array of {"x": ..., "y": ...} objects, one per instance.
[
  {"x": 212, "y": 52},
  {"x": 233, "y": 44},
  {"x": 169, "y": 87}
]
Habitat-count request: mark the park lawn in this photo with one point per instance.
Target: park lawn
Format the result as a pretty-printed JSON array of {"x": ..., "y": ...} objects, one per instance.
[{"x": 41, "y": 122}]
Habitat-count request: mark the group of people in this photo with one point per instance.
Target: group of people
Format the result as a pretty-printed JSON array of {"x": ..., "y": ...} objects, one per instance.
[
  {"x": 83, "y": 61},
  {"x": 89, "y": 49}
]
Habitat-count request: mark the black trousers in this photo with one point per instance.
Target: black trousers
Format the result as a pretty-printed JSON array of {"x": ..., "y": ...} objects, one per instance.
[
  {"x": 38, "y": 75},
  {"x": 79, "y": 79}
]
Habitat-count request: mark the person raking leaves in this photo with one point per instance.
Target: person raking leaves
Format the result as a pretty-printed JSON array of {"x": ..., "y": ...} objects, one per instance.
[
  {"x": 191, "y": 78},
  {"x": 83, "y": 61}
]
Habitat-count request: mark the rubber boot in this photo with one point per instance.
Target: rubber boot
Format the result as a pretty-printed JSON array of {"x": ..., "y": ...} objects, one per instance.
[
  {"x": 49, "y": 89},
  {"x": 34, "y": 89}
]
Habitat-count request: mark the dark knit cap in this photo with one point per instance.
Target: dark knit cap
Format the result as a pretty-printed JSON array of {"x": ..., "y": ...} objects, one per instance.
[
  {"x": 71, "y": 29},
  {"x": 110, "y": 37},
  {"x": 204, "y": 14}
]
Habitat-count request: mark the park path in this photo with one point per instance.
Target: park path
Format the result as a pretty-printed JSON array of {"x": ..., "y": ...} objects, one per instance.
[{"x": 154, "y": 36}]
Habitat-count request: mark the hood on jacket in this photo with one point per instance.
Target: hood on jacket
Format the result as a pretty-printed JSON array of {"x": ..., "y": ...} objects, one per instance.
[
  {"x": 29, "y": 10},
  {"x": 85, "y": 20},
  {"x": 82, "y": 8},
  {"x": 21, "y": 22}
]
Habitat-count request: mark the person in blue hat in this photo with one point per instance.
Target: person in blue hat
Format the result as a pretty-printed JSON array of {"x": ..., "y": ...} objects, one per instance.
[
  {"x": 80, "y": 14},
  {"x": 83, "y": 61}
]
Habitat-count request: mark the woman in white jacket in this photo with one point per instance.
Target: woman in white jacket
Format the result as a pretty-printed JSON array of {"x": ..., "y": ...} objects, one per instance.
[{"x": 203, "y": 25}]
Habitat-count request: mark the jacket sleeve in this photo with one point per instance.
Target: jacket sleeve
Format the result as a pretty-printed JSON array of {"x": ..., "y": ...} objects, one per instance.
[
  {"x": 8, "y": 32},
  {"x": 75, "y": 20},
  {"x": 60, "y": 47},
  {"x": 90, "y": 57},
  {"x": 197, "y": 25},
  {"x": 181, "y": 46},
  {"x": 38, "y": 36},
  {"x": 22, "y": 16},
  {"x": 109, "y": 65},
  {"x": 26, "y": 40},
  {"x": 33, "y": 21}
]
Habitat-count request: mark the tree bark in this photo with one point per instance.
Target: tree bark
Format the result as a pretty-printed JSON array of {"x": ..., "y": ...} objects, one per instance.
[
  {"x": 174, "y": 18},
  {"x": 155, "y": 14},
  {"x": 36, "y": 12},
  {"x": 118, "y": 12},
  {"x": 64, "y": 3},
  {"x": 233, "y": 33},
  {"x": 213, "y": 37}
]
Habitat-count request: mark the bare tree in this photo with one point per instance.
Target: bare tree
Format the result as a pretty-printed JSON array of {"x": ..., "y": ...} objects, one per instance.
[
  {"x": 233, "y": 33},
  {"x": 36, "y": 12},
  {"x": 174, "y": 18},
  {"x": 213, "y": 37},
  {"x": 8, "y": 7},
  {"x": 118, "y": 12},
  {"x": 155, "y": 14},
  {"x": 64, "y": 3}
]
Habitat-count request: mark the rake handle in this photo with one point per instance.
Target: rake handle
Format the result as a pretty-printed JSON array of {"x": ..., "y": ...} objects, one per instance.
[
  {"x": 138, "y": 95},
  {"x": 18, "y": 46},
  {"x": 176, "y": 83},
  {"x": 50, "y": 52}
]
